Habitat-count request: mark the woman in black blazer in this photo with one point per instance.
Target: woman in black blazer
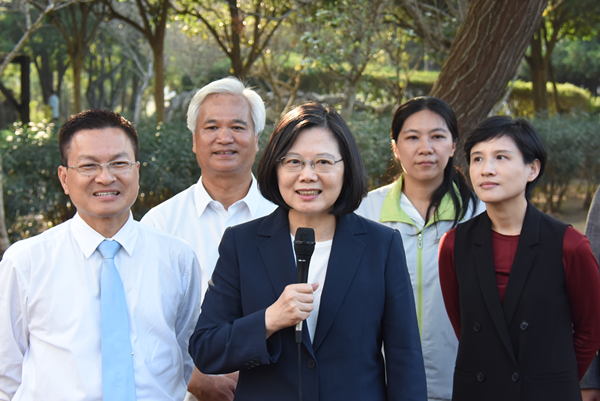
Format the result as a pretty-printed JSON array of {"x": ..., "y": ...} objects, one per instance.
[{"x": 358, "y": 296}]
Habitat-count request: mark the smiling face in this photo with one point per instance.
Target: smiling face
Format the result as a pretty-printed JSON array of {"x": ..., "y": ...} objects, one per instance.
[
  {"x": 499, "y": 173},
  {"x": 306, "y": 192},
  {"x": 104, "y": 199},
  {"x": 423, "y": 147},
  {"x": 224, "y": 141}
]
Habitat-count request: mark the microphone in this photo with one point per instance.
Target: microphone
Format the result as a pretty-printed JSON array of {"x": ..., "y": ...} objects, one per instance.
[{"x": 304, "y": 246}]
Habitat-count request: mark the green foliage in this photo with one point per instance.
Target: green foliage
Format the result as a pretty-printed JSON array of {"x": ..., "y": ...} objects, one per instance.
[
  {"x": 573, "y": 145},
  {"x": 570, "y": 97},
  {"x": 375, "y": 85},
  {"x": 11, "y": 28},
  {"x": 168, "y": 165},
  {"x": 33, "y": 196},
  {"x": 372, "y": 135},
  {"x": 578, "y": 61},
  {"x": 345, "y": 41}
]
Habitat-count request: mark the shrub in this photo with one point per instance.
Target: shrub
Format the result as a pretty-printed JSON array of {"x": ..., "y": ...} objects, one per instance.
[
  {"x": 372, "y": 135},
  {"x": 33, "y": 197},
  {"x": 168, "y": 165},
  {"x": 570, "y": 97},
  {"x": 573, "y": 144}
]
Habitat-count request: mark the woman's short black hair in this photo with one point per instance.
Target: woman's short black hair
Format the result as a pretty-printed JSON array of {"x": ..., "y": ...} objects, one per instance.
[
  {"x": 94, "y": 119},
  {"x": 452, "y": 174},
  {"x": 524, "y": 135},
  {"x": 306, "y": 116}
]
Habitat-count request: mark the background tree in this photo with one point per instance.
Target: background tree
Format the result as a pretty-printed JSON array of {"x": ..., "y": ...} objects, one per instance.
[
  {"x": 141, "y": 64},
  {"x": 561, "y": 18},
  {"x": 484, "y": 55},
  {"x": 577, "y": 60},
  {"x": 345, "y": 41},
  {"x": 434, "y": 21},
  {"x": 241, "y": 28},
  {"x": 39, "y": 10},
  {"x": 78, "y": 24},
  {"x": 48, "y": 52},
  {"x": 107, "y": 73},
  {"x": 150, "y": 18},
  {"x": 281, "y": 70},
  {"x": 395, "y": 46}
]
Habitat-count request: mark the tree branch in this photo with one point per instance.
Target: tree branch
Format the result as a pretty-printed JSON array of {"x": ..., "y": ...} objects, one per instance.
[{"x": 52, "y": 5}]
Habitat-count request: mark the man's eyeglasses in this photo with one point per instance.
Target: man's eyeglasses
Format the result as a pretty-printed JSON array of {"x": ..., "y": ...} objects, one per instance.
[
  {"x": 295, "y": 164},
  {"x": 115, "y": 167}
]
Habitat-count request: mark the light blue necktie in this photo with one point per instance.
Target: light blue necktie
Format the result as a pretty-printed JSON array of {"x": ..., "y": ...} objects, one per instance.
[{"x": 117, "y": 361}]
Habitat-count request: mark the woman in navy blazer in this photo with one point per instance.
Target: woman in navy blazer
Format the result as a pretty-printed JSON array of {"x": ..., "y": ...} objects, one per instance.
[{"x": 358, "y": 299}]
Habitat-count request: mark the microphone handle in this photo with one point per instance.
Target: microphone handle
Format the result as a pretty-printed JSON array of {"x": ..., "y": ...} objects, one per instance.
[
  {"x": 302, "y": 266},
  {"x": 299, "y": 331}
]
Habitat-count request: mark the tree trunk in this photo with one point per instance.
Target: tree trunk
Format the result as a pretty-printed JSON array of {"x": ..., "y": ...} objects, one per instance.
[
  {"x": 349, "y": 100},
  {"x": 140, "y": 93},
  {"x": 484, "y": 56},
  {"x": 45, "y": 74},
  {"x": 538, "y": 70},
  {"x": 135, "y": 83},
  {"x": 236, "y": 28},
  {"x": 559, "y": 109},
  {"x": 159, "y": 79},
  {"x": 77, "y": 63}
]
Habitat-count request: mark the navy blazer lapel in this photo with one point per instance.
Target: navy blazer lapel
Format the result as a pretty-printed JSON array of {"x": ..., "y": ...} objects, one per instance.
[
  {"x": 278, "y": 258},
  {"x": 524, "y": 257},
  {"x": 346, "y": 254},
  {"x": 486, "y": 274},
  {"x": 276, "y": 250}
]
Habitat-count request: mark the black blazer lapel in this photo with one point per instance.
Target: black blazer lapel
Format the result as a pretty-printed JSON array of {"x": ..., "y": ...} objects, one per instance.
[
  {"x": 346, "y": 254},
  {"x": 486, "y": 274},
  {"x": 524, "y": 257}
]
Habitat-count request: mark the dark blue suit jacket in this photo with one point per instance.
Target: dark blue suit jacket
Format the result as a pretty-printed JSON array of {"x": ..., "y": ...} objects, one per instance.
[{"x": 367, "y": 301}]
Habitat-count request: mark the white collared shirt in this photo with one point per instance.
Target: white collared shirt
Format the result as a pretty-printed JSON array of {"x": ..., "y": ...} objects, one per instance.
[
  {"x": 50, "y": 325},
  {"x": 201, "y": 221}
]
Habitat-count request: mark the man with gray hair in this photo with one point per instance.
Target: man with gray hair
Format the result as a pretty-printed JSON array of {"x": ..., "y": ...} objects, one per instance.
[{"x": 226, "y": 119}]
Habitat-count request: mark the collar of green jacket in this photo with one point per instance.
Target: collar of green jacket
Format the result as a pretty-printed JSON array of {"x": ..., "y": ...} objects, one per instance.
[{"x": 391, "y": 210}]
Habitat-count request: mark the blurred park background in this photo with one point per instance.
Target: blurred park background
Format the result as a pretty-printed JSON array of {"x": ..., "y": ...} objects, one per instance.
[{"x": 146, "y": 58}]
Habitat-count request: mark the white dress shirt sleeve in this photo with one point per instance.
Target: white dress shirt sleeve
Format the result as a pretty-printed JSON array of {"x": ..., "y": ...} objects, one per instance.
[
  {"x": 13, "y": 327},
  {"x": 188, "y": 313}
]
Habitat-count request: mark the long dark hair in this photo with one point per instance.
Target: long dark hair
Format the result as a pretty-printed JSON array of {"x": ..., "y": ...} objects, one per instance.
[{"x": 452, "y": 173}]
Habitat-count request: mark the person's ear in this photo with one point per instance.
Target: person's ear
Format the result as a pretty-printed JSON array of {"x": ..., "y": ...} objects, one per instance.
[
  {"x": 534, "y": 170},
  {"x": 395, "y": 150},
  {"x": 62, "y": 176}
]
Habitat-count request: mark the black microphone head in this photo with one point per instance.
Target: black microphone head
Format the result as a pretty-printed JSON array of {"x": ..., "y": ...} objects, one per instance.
[
  {"x": 304, "y": 242},
  {"x": 304, "y": 246}
]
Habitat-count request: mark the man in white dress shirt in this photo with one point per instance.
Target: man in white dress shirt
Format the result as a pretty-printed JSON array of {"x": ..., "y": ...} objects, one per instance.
[
  {"x": 225, "y": 119},
  {"x": 52, "y": 286}
]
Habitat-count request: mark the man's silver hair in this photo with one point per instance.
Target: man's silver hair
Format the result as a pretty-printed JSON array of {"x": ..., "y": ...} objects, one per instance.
[{"x": 235, "y": 87}]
